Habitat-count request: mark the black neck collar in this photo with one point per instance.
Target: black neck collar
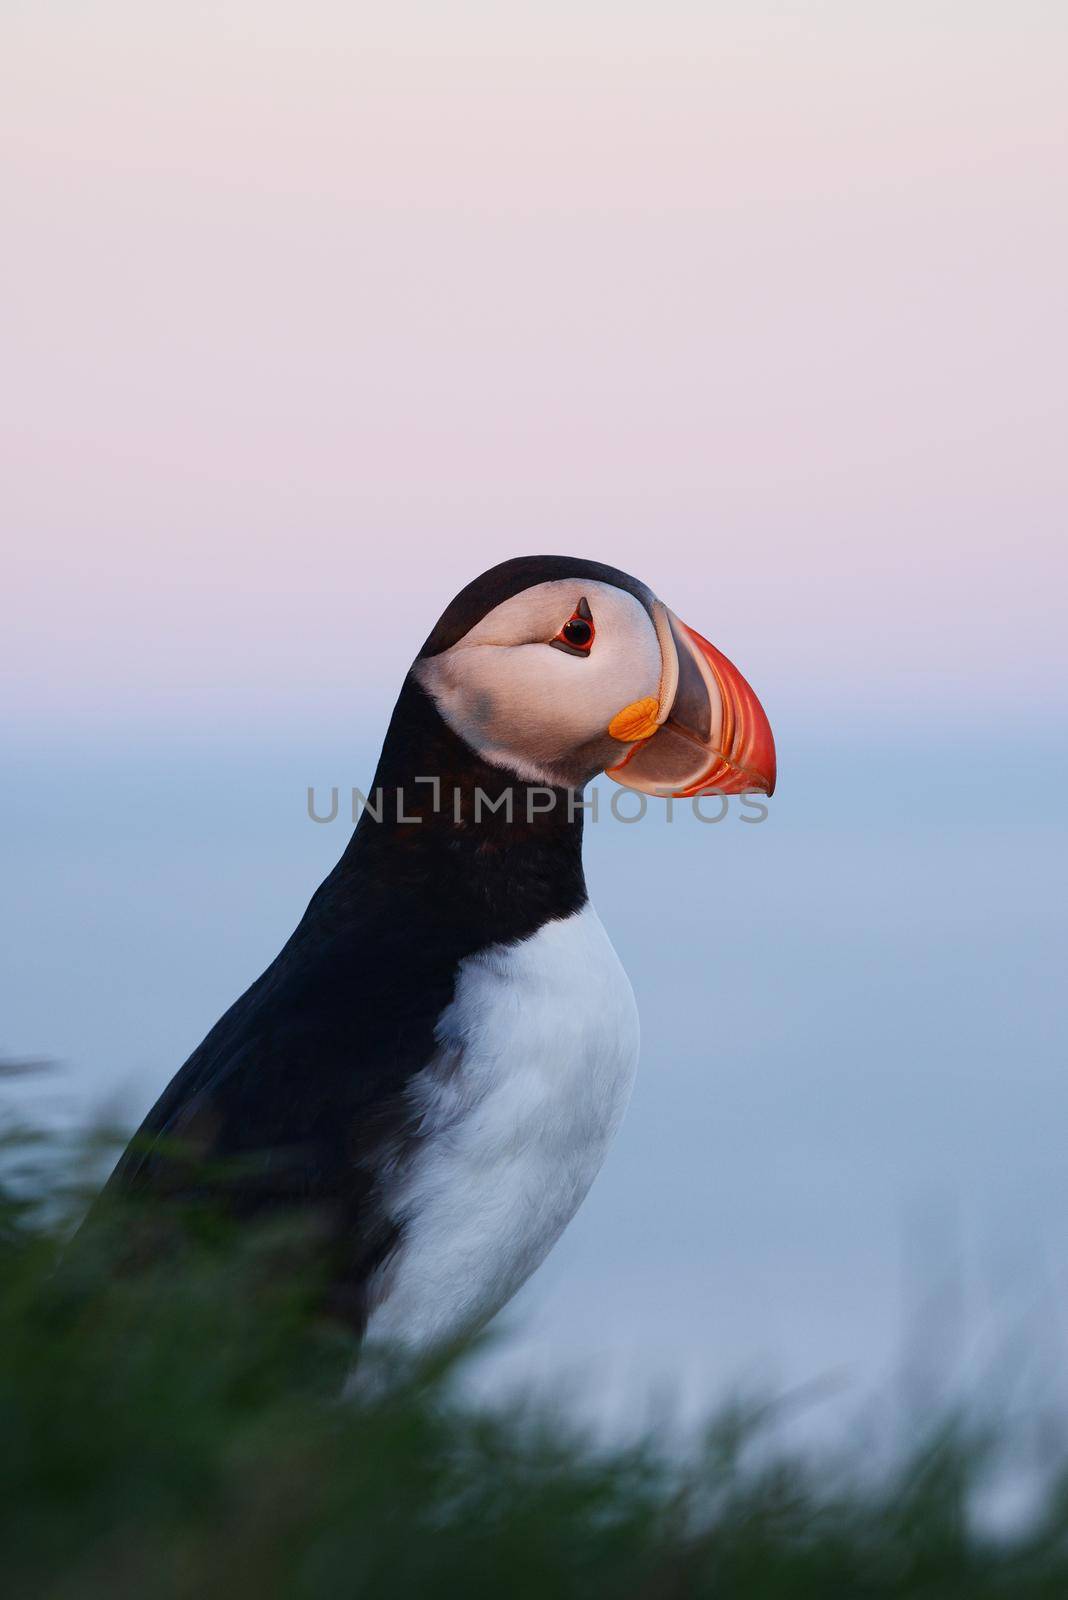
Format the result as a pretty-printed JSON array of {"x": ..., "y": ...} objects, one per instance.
[{"x": 481, "y": 851}]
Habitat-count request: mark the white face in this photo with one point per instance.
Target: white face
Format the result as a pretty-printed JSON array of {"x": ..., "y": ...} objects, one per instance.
[{"x": 537, "y": 710}]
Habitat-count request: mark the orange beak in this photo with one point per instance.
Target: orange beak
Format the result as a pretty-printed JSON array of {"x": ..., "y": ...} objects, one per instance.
[{"x": 710, "y": 734}]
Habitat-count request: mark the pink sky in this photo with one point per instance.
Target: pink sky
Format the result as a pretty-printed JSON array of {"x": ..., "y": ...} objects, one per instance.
[{"x": 310, "y": 313}]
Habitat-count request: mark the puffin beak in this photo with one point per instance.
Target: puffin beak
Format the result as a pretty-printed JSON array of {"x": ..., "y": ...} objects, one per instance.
[{"x": 705, "y": 733}]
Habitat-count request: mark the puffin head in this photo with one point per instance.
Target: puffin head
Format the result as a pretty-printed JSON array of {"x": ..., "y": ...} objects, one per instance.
[{"x": 556, "y": 669}]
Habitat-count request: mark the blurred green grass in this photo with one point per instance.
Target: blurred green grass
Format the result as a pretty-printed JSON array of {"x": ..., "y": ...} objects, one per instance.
[{"x": 175, "y": 1431}]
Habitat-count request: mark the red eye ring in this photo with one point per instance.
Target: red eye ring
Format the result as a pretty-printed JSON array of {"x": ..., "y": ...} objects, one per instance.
[{"x": 578, "y": 632}]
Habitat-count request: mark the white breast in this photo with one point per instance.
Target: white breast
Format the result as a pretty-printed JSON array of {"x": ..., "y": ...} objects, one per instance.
[{"x": 536, "y": 1059}]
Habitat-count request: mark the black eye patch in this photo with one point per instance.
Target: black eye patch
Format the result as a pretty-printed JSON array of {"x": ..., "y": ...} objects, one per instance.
[{"x": 578, "y": 632}]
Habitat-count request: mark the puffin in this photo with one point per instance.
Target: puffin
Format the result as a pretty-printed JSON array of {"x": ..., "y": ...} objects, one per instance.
[{"x": 432, "y": 1069}]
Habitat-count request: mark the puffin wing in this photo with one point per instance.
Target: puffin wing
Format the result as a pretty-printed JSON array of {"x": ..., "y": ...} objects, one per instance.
[{"x": 295, "y": 1100}]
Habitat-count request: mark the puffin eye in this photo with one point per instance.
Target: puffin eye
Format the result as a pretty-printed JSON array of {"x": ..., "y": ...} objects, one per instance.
[{"x": 578, "y": 632}]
